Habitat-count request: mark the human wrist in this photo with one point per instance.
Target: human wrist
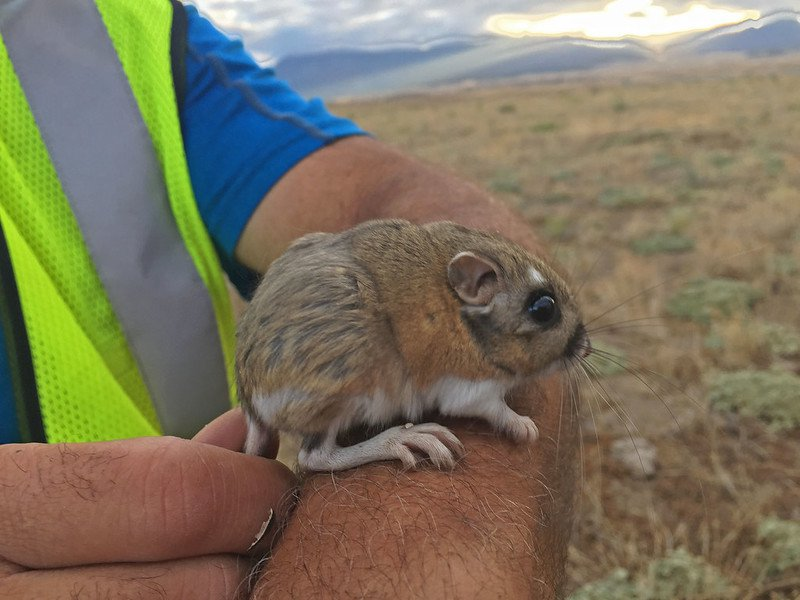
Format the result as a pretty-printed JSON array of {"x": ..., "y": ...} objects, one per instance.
[{"x": 497, "y": 525}]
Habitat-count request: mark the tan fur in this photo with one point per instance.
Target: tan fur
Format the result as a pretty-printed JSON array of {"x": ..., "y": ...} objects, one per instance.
[{"x": 370, "y": 311}]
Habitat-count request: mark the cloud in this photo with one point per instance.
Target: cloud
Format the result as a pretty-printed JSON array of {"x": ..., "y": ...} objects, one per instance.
[
  {"x": 618, "y": 19},
  {"x": 281, "y": 27}
]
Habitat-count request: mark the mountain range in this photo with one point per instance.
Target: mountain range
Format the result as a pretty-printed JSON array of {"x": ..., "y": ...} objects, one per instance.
[{"x": 353, "y": 72}]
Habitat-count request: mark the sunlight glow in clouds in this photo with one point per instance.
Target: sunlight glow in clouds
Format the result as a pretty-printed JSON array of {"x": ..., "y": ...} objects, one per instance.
[{"x": 619, "y": 19}]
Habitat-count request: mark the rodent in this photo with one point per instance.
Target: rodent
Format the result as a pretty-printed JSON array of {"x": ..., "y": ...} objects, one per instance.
[{"x": 389, "y": 320}]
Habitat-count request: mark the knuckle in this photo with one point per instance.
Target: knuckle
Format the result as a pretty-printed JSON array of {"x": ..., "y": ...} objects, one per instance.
[
  {"x": 182, "y": 494},
  {"x": 209, "y": 578},
  {"x": 226, "y": 578},
  {"x": 12, "y": 589}
]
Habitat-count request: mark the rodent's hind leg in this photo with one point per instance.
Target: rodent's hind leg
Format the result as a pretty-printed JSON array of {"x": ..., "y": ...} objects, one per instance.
[
  {"x": 405, "y": 443},
  {"x": 260, "y": 438}
]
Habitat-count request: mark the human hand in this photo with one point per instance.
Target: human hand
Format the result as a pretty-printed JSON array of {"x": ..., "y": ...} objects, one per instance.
[{"x": 144, "y": 518}]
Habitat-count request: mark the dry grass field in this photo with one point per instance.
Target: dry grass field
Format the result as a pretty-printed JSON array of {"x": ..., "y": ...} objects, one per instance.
[{"x": 673, "y": 201}]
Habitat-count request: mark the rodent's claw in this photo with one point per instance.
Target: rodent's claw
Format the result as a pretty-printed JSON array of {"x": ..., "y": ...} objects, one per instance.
[
  {"x": 405, "y": 443},
  {"x": 436, "y": 442},
  {"x": 445, "y": 436}
]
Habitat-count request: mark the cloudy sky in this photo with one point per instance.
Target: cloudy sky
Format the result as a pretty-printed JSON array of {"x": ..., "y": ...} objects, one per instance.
[{"x": 275, "y": 28}]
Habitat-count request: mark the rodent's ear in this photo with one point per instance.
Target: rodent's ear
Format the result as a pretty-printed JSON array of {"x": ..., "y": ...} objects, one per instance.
[{"x": 473, "y": 278}]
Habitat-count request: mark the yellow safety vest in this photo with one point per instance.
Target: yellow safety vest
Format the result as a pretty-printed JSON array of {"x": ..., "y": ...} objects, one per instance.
[{"x": 125, "y": 309}]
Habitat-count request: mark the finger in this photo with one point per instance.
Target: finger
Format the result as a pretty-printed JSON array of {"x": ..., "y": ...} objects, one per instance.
[
  {"x": 206, "y": 578},
  {"x": 229, "y": 431},
  {"x": 226, "y": 431},
  {"x": 146, "y": 499},
  {"x": 8, "y": 568}
]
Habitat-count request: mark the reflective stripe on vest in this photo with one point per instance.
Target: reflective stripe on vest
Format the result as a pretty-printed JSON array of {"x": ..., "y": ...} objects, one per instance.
[{"x": 109, "y": 171}]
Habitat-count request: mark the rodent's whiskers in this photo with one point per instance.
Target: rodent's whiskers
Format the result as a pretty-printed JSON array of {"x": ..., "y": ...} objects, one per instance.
[
  {"x": 632, "y": 371},
  {"x": 633, "y": 297},
  {"x": 639, "y": 371},
  {"x": 591, "y": 413},
  {"x": 606, "y": 396},
  {"x": 574, "y": 386},
  {"x": 585, "y": 278},
  {"x": 627, "y": 324}
]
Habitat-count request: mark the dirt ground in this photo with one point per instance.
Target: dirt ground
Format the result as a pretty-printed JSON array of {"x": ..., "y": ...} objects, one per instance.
[{"x": 646, "y": 184}]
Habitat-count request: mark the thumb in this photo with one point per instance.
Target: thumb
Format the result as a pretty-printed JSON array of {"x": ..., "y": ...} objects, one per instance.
[
  {"x": 229, "y": 431},
  {"x": 226, "y": 431}
]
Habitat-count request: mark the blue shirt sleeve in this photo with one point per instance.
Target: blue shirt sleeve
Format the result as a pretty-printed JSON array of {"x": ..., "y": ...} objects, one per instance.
[
  {"x": 9, "y": 429},
  {"x": 243, "y": 129}
]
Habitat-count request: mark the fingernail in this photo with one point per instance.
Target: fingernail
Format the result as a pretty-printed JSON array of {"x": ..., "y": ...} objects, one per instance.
[{"x": 262, "y": 530}]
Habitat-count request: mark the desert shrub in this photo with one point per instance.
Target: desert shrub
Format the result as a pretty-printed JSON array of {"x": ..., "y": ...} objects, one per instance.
[
  {"x": 545, "y": 127},
  {"x": 602, "y": 366},
  {"x": 700, "y": 299},
  {"x": 782, "y": 341},
  {"x": 662, "y": 243},
  {"x": 563, "y": 175},
  {"x": 773, "y": 397},
  {"x": 781, "y": 543},
  {"x": 557, "y": 226},
  {"x": 556, "y": 198},
  {"x": 617, "y": 585},
  {"x": 506, "y": 182},
  {"x": 683, "y": 575},
  {"x": 677, "y": 575},
  {"x": 621, "y": 197}
]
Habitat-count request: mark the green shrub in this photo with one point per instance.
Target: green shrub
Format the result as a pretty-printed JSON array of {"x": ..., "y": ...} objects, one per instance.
[
  {"x": 683, "y": 575},
  {"x": 556, "y": 198},
  {"x": 662, "y": 243},
  {"x": 621, "y": 198},
  {"x": 675, "y": 576},
  {"x": 556, "y": 226},
  {"x": 783, "y": 341},
  {"x": 773, "y": 397},
  {"x": 564, "y": 175},
  {"x": 680, "y": 218},
  {"x": 720, "y": 160},
  {"x": 783, "y": 265},
  {"x": 698, "y": 300},
  {"x": 614, "y": 587},
  {"x": 601, "y": 365},
  {"x": 781, "y": 543},
  {"x": 506, "y": 182},
  {"x": 545, "y": 127}
]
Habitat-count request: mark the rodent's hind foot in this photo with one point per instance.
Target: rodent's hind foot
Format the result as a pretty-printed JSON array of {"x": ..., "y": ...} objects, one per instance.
[{"x": 406, "y": 443}]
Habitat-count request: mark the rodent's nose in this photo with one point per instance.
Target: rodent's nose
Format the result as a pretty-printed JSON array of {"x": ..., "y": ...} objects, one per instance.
[{"x": 584, "y": 347}]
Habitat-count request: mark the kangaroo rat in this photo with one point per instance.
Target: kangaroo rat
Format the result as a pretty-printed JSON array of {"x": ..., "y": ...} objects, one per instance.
[{"x": 389, "y": 320}]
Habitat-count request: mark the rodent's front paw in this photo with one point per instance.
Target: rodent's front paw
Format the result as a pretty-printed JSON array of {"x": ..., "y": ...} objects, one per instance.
[{"x": 523, "y": 430}]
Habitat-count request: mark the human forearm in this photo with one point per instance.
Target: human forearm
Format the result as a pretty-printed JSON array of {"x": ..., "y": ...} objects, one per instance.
[
  {"x": 358, "y": 179},
  {"x": 495, "y": 527}
]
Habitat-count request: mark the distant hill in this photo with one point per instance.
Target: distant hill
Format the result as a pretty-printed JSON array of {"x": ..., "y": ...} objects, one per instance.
[
  {"x": 351, "y": 72},
  {"x": 307, "y": 72},
  {"x": 776, "y": 33}
]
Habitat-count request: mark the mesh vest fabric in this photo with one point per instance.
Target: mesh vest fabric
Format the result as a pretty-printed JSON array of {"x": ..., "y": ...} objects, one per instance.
[
  {"x": 140, "y": 32},
  {"x": 89, "y": 385}
]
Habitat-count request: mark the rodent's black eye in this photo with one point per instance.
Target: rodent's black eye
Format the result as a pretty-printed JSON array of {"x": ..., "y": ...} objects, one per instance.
[{"x": 543, "y": 309}]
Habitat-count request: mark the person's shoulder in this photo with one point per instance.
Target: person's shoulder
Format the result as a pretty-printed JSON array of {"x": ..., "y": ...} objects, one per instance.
[{"x": 204, "y": 35}]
